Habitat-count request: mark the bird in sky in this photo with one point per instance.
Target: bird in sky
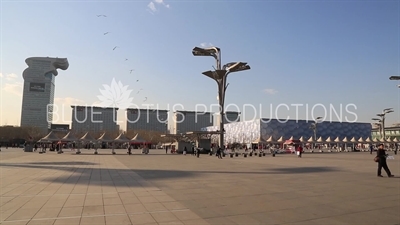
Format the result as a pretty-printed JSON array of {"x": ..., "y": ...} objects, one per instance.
[
  {"x": 137, "y": 80},
  {"x": 126, "y": 59},
  {"x": 131, "y": 71},
  {"x": 101, "y": 16},
  {"x": 139, "y": 91},
  {"x": 145, "y": 99},
  {"x": 106, "y": 33},
  {"x": 115, "y": 48}
]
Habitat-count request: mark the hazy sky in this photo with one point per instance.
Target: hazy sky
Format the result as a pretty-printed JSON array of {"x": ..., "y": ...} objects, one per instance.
[{"x": 300, "y": 52}]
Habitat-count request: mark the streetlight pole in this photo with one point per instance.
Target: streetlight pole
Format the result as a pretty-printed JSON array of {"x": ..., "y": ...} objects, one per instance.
[
  {"x": 220, "y": 75},
  {"x": 383, "y": 117},
  {"x": 314, "y": 127},
  {"x": 379, "y": 124}
]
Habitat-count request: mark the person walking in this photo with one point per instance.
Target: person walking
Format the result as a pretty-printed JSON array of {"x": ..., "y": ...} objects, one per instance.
[
  {"x": 192, "y": 152},
  {"x": 371, "y": 149},
  {"x": 198, "y": 153},
  {"x": 396, "y": 148},
  {"x": 299, "y": 151},
  {"x": 219, "y": 153},
  {"x": 381, "y": 154}
]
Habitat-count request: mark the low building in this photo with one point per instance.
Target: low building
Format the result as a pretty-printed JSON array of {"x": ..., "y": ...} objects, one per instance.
[
  {"x": 390, "y": 132},
  {"x": 229, "y": 117},
  {"x": 248, "y": 131},
  {"x": 94, "y": 119},
  {"x": 59, "y": 127},
  {"x": 186, "y": 121},
  {"x": 147, "y": 120}
]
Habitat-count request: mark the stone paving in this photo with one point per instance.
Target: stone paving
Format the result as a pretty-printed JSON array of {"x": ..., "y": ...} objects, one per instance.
[{"x": 322, "y": 188}]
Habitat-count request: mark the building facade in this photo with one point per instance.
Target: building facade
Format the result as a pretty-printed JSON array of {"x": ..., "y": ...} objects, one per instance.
[
  {"x": 38, "y": 91},
  {"x": 94, "y": 119},
  {"x": 185, "y": 121},
  {"x": 248, "y": 131},
  {"x": 59, "y": 127},
  {"x": 147, "y": 119},
  {"x": 229, "y": 117},
  {"x": 390, "y": 132}
]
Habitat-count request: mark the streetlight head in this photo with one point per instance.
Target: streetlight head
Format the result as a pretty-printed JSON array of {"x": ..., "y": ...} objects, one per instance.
[
  {"x": 318, "y": 118},
  {"x": 388, "y": 109},
  {"x": 197, "y": 51},
  {"x": 394, "y": 78},
  {"x": 236, "y": 66},
  {"x": 215, "y": 75},
  {"x": 377, "y": 119},
  {"x": 380, "y": 114}
]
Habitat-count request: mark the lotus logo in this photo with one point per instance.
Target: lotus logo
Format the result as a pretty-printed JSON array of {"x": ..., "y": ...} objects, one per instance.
[{"x": 116, "y": 95}]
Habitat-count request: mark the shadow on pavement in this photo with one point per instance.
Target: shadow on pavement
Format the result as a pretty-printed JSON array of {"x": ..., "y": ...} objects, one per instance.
[
  {"x": 116, "y": 177},
  {"x": 72, "y": 163},
  {"x": 295, "y": 170}
]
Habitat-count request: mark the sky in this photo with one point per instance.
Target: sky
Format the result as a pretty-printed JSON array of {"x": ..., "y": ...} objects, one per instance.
[{"x": 336, "y": 55}]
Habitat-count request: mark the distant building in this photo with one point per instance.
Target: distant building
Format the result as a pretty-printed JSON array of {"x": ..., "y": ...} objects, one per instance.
[
  {"x": 390, "y": 132},
  {"x": 38, "y": 91},
  {"x": 60, "y": 127},
  {"x": 248, "y": 131},
  {"x": 147, "y": 119},
  {"x": 94, "y": 119},
  {"x": 229, "y": 117},
  {"x": 185, "y": 121}
]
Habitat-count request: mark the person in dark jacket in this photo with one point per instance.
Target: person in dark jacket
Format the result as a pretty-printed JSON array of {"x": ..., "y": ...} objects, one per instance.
[
  {"x": 219, "y": 153},
  {"x": 381, "y": 154}
]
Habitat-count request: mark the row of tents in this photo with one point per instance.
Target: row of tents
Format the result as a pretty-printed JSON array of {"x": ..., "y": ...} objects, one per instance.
[
  {"x": 69, "y": 137},
  {"x": 328, "y": 140}
]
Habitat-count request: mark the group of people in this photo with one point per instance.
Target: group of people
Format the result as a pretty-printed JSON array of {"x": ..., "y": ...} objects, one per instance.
[
  {"x": 396, "y": 148},
  {"x": 194, "y": 152}
]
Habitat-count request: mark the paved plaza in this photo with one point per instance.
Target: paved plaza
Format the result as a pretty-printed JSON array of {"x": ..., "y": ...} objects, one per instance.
[{"x": 320, "y": 188}]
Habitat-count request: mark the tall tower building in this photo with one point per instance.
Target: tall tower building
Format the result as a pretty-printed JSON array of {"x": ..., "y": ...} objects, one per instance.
[{"x": 38, "y": 91}]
